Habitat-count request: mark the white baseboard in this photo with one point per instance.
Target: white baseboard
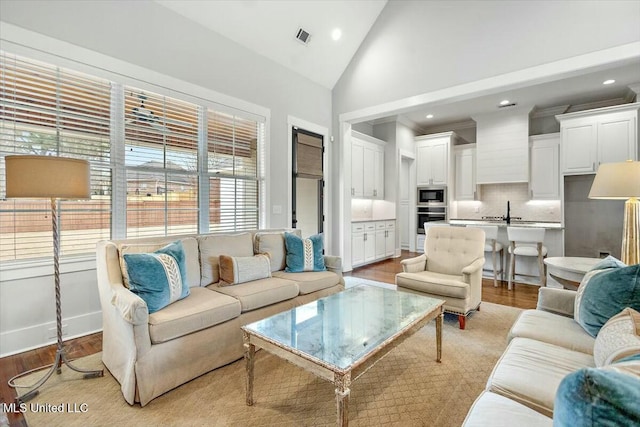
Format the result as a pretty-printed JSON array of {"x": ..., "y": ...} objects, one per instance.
[{"x": 19, "y": 340}]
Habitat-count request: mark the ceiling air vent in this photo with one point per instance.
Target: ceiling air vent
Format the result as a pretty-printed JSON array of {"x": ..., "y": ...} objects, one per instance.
[{"x": 302, "y": 36}]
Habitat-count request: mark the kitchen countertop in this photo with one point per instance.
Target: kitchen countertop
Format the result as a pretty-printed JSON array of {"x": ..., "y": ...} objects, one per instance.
[
  {"x": 528, "y": 224},
  {"x": 373, "y": 220}
]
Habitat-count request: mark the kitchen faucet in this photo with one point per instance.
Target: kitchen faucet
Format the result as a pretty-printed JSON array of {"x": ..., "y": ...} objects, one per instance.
[{"x": 508, "y": 217}]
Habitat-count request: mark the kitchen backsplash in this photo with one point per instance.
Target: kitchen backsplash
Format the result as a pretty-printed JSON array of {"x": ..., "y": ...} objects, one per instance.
[
  {"x": 364, "y": 209},
  {"x": 494, "y": 199}
]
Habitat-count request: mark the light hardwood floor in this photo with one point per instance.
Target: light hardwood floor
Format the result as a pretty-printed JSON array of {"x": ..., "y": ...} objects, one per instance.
[{"x": 523, "y": 296}]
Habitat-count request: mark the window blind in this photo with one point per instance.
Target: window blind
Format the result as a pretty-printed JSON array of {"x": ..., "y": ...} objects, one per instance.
[
  {"x": 48, "y": 110},
  {"x": 161, "y": 158},
  {"x": 232, "y": 162}
]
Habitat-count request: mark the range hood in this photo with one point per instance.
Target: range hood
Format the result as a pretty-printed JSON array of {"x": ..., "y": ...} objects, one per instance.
[{"x": 502, "y": 146}]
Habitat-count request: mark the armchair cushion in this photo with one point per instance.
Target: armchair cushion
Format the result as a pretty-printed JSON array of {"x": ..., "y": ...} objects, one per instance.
[
  {"x": 432, "y": 283},
  {"x": 159, "y": 278}
]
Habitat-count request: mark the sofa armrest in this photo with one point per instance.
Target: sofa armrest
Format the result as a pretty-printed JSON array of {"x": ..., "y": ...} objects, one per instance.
[
  {"x": 476, "y": 265},
  {"x": 414, "y": 265},
  {"x": 557, "y": 301},
  {"x": 333, "y": 263},
  {"x": 131, "y": 307}
]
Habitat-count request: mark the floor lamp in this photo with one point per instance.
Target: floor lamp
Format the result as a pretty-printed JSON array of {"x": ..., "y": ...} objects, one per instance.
[
  {"x": 622, "y": 181},
  {"x": 53, "y": 178}
]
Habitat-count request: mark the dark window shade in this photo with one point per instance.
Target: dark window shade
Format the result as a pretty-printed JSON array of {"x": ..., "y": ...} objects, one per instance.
[{"x": 309, "y": 156}]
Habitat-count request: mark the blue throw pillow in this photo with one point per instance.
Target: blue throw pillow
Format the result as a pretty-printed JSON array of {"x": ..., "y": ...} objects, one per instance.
[
  {"x": 605, "y": 294},
  {"x": 303, "y": 254},
  {"x": 159, "y": 278},
  {"x": 597, "y": 397}
]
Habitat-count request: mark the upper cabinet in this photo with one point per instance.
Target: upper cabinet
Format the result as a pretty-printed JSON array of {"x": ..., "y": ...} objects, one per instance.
[
  {"x": 433, "y": 154},
  {"x": 465, "y": 172},
  {"x": 544, "y": 183},
  {"x": 367, "y": 167},
  {"x": 602, "y": 135},
  {"x": 502, "y": 146}
]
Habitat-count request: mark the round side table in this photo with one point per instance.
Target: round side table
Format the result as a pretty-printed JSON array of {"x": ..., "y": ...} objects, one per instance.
[{"x": 569, "y": 271}]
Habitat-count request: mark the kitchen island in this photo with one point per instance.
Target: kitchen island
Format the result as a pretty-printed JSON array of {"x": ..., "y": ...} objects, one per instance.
[{"x": 525, "y": 266}]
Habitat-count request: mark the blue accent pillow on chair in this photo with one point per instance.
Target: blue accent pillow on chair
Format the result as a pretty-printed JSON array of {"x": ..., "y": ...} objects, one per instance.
[
  {"x": 159, "y": 278},
  {"x": 604, "y": 294},
  {"x": 303, "y": 254},
  {"x": 597, "y": 397}
]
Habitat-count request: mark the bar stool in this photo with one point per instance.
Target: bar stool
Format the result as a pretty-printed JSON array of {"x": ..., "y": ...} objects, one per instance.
[
  {"x": 492, "y": 245},
  {"x": 525, "y": 241}
]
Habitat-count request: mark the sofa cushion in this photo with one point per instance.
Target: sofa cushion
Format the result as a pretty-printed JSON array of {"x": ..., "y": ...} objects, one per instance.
[
  {"x": 235, "y": 270},
  {"x": 271, "y": 243},
  {"x": 213, "y": 245},
  {"x": 553, "y": 329},
  {"x": 494, "y": 410},
  {"x": 191, "y": 256},
  {"x": 591, "y": 397},
  {"x": 260, "y": 293},
  {"x": 159, "y": 278},
  {"x": 430, "y": 282},
  {"x": 603, "y": 294},
  {"x": 530, "y": 372},
  {"x": 618, "y": 338},
  {"x": 202, "y": 309},
  {"x": 310, "y": 281},
  {"x": 304, "y": 254}
]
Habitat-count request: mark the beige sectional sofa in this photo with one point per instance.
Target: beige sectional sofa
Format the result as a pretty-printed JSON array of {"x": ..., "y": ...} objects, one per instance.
[
  {"x": 150, "y": 354},
  {"x": 545, "y": 345}
]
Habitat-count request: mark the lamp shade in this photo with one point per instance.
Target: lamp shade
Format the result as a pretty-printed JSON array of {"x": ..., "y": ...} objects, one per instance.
[
  {"x": 616, "y": 181},
  {"x": 47, "y": 177}
]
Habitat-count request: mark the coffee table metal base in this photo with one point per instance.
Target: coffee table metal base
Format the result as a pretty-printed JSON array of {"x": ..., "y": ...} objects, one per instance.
[{"x": 340, "y": 378}]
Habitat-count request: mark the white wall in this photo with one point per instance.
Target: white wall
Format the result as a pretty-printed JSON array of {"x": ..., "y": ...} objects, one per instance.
[
  {"x": 420, "y": 53},
  {"x": 161, "y": 48},
  {"x": 417, "y": 47}
]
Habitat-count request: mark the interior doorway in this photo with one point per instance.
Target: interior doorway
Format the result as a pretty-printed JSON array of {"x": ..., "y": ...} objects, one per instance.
[{"x": 307, "y": 204}]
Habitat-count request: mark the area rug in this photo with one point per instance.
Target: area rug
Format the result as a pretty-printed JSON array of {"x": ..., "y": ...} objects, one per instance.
[{"x": 406, "y": 388}]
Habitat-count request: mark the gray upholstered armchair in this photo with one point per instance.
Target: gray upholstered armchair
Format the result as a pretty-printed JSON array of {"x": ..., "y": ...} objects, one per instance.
[{"x": 450, "y": 269}]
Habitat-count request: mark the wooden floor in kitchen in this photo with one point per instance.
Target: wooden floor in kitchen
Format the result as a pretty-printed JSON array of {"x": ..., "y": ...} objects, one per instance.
[{"x": 523, "y": 296}]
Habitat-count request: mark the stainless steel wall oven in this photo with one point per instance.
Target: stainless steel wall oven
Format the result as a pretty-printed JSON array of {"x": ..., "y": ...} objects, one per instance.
[{"x": 430, "y": 214}]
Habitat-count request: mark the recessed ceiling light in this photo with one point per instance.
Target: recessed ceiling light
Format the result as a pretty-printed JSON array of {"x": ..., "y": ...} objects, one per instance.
[
  {"x": 504, "y": 102},
  {"x": 608, "y": 82},
  {"x": 336, "y": 34},
  {"x": 429, "y": 116}
]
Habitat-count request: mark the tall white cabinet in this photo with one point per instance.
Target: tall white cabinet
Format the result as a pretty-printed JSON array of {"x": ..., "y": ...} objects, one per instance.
[
  {"x": 544, "y": 168},
  {"x": 465, "y": 172},
  {"x": 433, "y": 154},
  {"x": 367, "y": 167},
  {"x": 601, "y": 135}
]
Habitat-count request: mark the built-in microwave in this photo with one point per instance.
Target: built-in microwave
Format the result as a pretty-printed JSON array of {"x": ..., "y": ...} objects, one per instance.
[{"x": 432, "y": 195}]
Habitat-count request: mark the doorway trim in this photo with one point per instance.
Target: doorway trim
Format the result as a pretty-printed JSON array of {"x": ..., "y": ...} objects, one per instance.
[
  {"x": 411, "y": 157},
  {"x": 292, "y": 122}
]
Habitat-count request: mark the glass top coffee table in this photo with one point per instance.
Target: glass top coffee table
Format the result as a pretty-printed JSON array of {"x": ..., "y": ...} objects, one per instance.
[{"x": 341, "y": 336}]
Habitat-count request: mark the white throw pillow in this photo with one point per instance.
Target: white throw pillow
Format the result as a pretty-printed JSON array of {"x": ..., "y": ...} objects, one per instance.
[{"x": 618, "y": 338}]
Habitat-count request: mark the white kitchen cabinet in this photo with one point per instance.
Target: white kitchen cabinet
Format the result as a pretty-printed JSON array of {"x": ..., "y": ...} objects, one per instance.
[
  {"x": 367, "y": 167},
  {"x": 369, "y": 242},
  {"x": 544, "y": 182},
  {"x": 372, "y": 241},
  {"x": 381, "y": 240},
  {"x": 601, "y": 135},
  {"x": 357, "y": 244},
  {"x": 433, "y": 154},
  {"x": 465, "y": 172},
  {"x": 390, "y": 238}
]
